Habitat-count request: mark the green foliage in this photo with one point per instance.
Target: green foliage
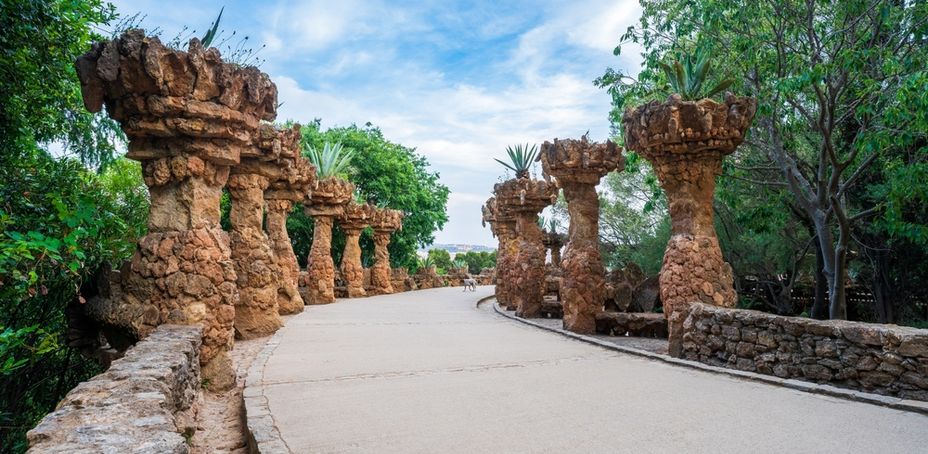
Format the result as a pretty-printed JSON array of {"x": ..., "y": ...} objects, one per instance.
[
  {"x": 207, "y": 39},
  {"x": 520, "y": 159},
  {"x": 688, "y": 73},
  {"x": 333, "y": 160},
  {"x": 441, "y": 259},
  {"x": 842, "y": 89},
  {"x": 426, "y": 262},
  {"x": 59, "y": 223},
  {"x": 41, "y": 99},
  {"x": 386, "y": 174},
  {"x": 476, "y": 261}
]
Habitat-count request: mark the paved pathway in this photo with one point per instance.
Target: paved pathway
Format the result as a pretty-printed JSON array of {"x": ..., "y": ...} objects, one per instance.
[{"x": 426, "y": 371}]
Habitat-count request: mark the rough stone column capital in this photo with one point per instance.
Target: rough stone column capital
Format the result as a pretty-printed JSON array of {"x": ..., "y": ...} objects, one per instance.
[
  {"x": 578, "y": 165},
  {"x": 685, "y": 142}
]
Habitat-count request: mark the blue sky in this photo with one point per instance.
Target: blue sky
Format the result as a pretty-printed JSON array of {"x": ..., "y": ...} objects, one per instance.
[{"x": 458, "y": 80}]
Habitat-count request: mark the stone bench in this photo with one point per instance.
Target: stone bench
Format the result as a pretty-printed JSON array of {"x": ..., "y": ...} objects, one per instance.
[{"x": 637, "y": 324}]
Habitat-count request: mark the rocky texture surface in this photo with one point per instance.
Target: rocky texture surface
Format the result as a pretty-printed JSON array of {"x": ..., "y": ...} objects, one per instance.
[
  {"x": 256, "y": 313},
  {"x": 188, "y": 117},
  {"x": 685, "y": 141},
  {"x": 578, "y": 166},
  {"x": 292, "y": 183},
  {"x": 384, "y": 222},
  {"x": 503, "y": 226},
  {"x": 883, "y": 359},
  {"x": 636, "y": 324},
  {"x": 427, "y": 278},
  {"x": 402, "y": 281},
  {"x": 328, "y": 200},
  {"x": 525, "y": 198},
  {"x": 352, "y": 220},
  {"x": 135, "y": 406}
]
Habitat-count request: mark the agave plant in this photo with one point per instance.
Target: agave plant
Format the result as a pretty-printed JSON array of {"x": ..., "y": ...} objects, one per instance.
[
  {"x": 553, "y": 224},
  {"x": 521, "y": 159},
  {"x": 332, "y": 160},
  {"x": 688, "y": 73},
  {"x": 211, "y": 33},
  {"x": 426, "y": 263}
]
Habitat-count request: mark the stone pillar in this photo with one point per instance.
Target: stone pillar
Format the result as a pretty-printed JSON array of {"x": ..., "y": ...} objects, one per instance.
[
  {"x": 554, "y": 241},
  {"x": 384, "y": 223},
  {"x": 525, "y": 198},
  {"x": 352, "y": 220},
  {"x": 256, "y": 313},
  {"x": 578, "y": 165},
  {"x": 188, "y": 117},
  {"x": 293, "y": 183},
  {"x": 503, "y": 226},
  {"x": 685, "y": 141},
  {"x": 327, "y": 201},
  {"x": 288, "y": 296}
]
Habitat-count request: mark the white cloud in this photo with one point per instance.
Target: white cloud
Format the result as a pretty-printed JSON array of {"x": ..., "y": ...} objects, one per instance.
[{"x": 400, "y": 68}]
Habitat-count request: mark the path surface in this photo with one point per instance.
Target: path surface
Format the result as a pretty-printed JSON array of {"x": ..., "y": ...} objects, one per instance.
[{"x": 426, "y": 371}]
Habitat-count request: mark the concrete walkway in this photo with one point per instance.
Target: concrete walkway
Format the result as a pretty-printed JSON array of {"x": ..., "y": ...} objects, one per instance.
[{"x": 426, "y": 371}]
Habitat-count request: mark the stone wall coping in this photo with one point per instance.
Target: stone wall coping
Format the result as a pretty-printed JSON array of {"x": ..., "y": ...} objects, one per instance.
[
  {"x": 132, "y": 406},
  {"x": 809, "y": 387}
]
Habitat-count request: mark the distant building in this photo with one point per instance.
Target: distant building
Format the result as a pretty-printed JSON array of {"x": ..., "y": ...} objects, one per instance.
[{"x": 455, "y": 249}]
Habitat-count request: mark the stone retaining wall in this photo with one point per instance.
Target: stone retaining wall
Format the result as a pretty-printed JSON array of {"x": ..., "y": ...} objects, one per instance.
[
  {"x": 138, "y": 405},
  {"x": 883, "y": 359}
]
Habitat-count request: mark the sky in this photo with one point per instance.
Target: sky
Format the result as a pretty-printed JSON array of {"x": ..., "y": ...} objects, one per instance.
[{"x": 458, "y": 80}]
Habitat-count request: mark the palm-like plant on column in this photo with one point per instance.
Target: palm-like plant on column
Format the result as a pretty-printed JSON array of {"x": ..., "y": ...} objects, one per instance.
[
  {"x": 520, "y": 159},
  {"x": 332, "y": 160}
]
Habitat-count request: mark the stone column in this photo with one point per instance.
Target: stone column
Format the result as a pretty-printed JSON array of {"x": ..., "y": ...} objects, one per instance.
[
  {"x": 578, "y": 165},
  {"x": 256, "y": 313},
  {"x": 293, "y": 183},
  {"x": 384, "y": 223},
  {"x": 554, "y": 241},
  {"x": 685, "y": 141},
  {"x": 188, "y": 117},
  {"x": 503, "y": 226},
  {"x": 352, "y": 220},
  {"x": 328, "y": 200},
  {"x": 525, "y": 198}
]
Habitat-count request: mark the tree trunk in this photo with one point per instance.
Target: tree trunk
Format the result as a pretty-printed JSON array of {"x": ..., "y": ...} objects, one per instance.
[{"x": 819, "y": 306}]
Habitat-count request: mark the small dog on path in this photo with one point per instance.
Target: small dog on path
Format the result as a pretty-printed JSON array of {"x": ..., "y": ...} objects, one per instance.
[{"x": 470, "y": 284}]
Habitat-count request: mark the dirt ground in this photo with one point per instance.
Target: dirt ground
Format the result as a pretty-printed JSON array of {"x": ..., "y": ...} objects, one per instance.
[{"x": 220, "y": 416}]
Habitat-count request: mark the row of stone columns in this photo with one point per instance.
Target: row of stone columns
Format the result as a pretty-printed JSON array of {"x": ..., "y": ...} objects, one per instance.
[
  {"x": 195, "y": 123},
  {"x": 685, "y": 141},
  {"x": 524, "y": 198}
]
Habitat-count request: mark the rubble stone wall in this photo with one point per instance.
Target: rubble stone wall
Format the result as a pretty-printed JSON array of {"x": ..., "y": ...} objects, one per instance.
[
  {"x": 138, "y": 405},
  {"x": 882, "y": 359}
]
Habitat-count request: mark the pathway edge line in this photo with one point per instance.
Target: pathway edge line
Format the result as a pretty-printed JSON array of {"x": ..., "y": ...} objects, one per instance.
[
  {"x": 262, "y": 434},
  {"x": 895, "y": 403}
]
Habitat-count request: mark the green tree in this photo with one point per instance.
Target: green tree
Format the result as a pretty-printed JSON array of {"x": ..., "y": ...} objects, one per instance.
[
  {"x": 38, "y": 83},
  {"x": 839, "y": 86},
  {"x": 386, "y": 174},
  {"x": 60, "y": 223},
  {"x": 477, "y": 261},
  {"x": 441, "y": 259}
]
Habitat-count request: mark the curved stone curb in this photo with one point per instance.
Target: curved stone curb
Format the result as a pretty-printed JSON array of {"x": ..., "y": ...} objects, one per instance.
[
  {"x": 814, "y": 388},
  {"x": 263, "y": 436}
]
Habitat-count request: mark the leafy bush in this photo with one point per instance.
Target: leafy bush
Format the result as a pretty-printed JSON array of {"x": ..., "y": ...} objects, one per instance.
[{"x": 60, "y": 223}]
